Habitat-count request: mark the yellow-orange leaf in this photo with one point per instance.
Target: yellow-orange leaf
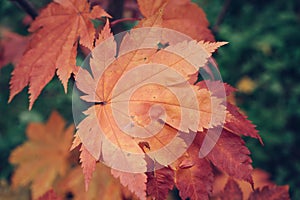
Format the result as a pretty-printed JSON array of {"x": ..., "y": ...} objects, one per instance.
[
  {"x": 43, "y": 157},
  {"x": 109, "y": 92}
]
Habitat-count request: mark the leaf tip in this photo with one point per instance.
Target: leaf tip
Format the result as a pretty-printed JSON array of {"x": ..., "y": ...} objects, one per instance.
[
  {"x": 30, "y": 105},
  {"x": 12, "y": 93},
  {"x": 76, "y": 142},
  {"x": 10, "y": 99}
]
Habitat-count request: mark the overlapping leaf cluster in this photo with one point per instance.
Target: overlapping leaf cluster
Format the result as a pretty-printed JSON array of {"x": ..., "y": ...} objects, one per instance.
[
  {"x": 44, "y": 163},
  {"x": 58, "y": 30},
  {"x": 53, "y": 173},
  {"x": 190, "y": 174}
]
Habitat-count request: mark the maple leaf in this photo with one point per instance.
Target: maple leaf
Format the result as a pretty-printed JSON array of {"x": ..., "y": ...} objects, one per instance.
[
  {"x": 159, "y": 182},
  {"x": 113, "y": 145},
  {"x": 271, "y": 192},
  {"x": 12, "y": 47},
  {"x": 237, "y": 123},
  {"x": 194, "y": 176},
  {"x": 232, "y": 191},
  {"x": 100, "y": 91},
  {"x": 180, "y": 15},
  {"x": 42, "y": 158},
  {"x": 229, "y": 154},
  {"x": 53, "y": 46}
]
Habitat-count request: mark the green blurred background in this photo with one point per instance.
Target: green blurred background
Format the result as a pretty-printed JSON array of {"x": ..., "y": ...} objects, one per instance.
[{"x": 261, "y": 59}]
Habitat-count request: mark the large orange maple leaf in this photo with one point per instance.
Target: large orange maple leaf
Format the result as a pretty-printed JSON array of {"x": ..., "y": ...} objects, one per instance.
[
  {"x": 108, "y": 86},
  {"x": 42, "y": 159},
  {"x": 56, "y": 34},
  {"x": 106, "y": 90}
]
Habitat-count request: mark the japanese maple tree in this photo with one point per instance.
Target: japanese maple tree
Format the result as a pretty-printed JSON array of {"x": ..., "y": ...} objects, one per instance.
[{"x": 182, "y": 107}]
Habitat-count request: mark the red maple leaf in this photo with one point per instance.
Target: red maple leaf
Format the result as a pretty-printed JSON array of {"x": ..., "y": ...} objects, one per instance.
[
  {"x": 159, "y": 182},
  {"x": 12, "y": 47},
  {"x": 53, "y": 46}
]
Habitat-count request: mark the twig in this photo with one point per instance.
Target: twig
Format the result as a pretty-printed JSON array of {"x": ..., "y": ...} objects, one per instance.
[
  {"x": 113, "y": 23},
  {"x": 221, "y": 16},
  {"x": 27, "y": 7}
]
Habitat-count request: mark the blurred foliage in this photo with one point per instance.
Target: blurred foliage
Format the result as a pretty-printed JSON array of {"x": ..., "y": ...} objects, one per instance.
[
  {"x": 7, "y": 193},
  {"x": 15, "y": 116},
  {"x": 263, "y": 49}
]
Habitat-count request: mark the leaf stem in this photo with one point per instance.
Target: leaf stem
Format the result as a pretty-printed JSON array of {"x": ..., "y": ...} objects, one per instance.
[{"x": 123, "y": 20}]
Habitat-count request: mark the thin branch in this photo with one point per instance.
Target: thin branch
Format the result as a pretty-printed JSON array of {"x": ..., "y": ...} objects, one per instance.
[
  {"x": 28, "y": 7},
  {"x": 113, "y": 23},
  {"x": 221, "y": 16}
]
